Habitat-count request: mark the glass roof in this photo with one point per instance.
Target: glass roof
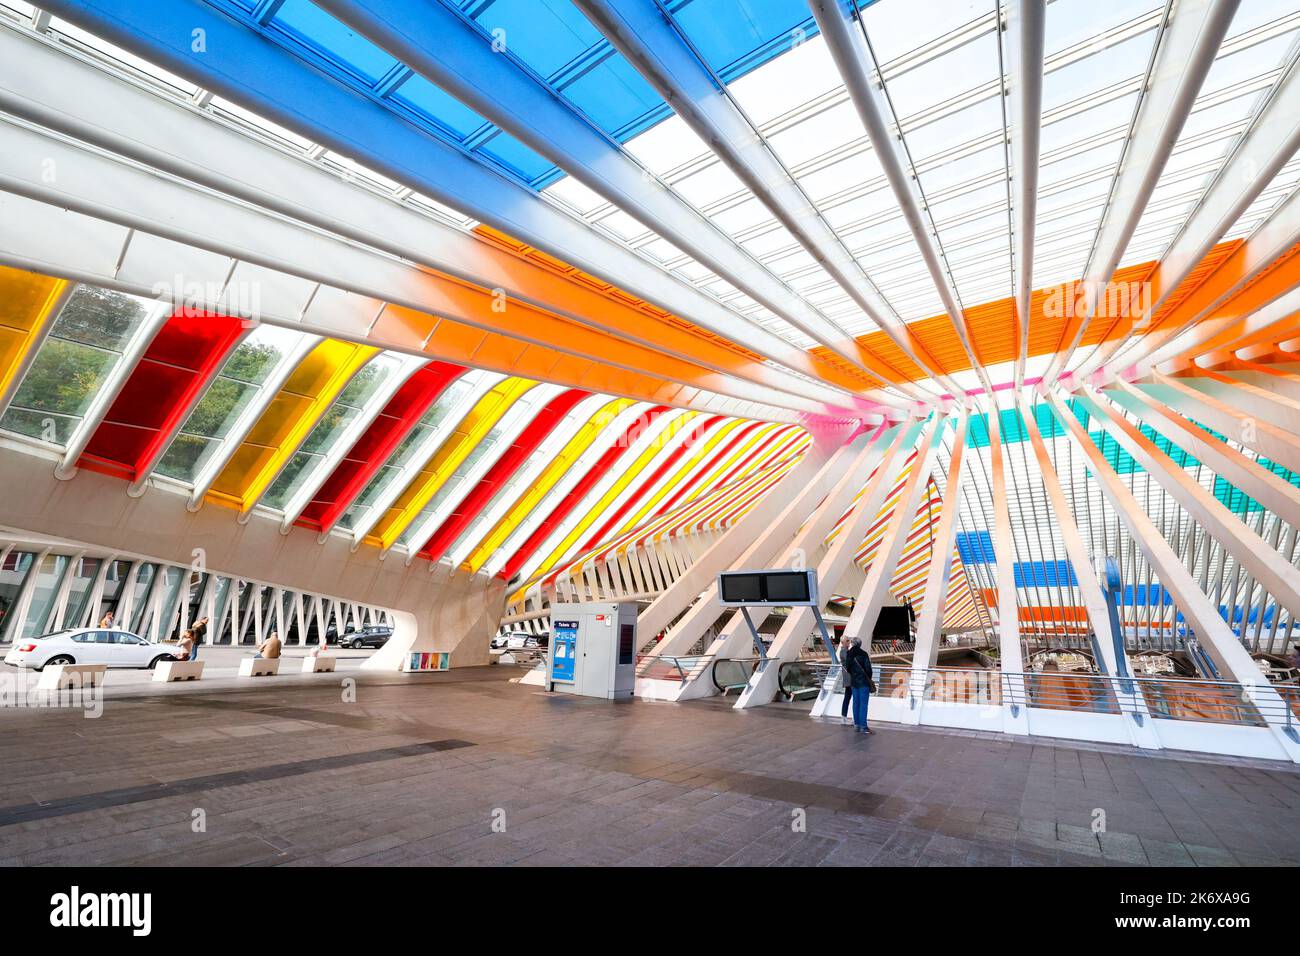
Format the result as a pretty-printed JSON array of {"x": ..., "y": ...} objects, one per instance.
[{"x": 944, "y": 78}]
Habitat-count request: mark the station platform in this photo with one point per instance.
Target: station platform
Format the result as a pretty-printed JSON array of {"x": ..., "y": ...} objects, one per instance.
[{"x": 419, "y": 768}]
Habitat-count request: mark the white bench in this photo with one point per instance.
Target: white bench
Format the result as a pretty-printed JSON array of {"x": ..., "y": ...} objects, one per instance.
[
  {"x": 178, "y": 670},
  {"x": 318, "y": 664},
  {"x": 62, "y": 676},
  {"x": 259, "y": 667}
]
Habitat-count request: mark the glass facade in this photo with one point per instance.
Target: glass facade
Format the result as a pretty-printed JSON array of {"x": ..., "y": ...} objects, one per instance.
[
  {"x": 83, "y": 348},
  {"x": 235, "y": 387},
  {"x": 351, "y": 405}
]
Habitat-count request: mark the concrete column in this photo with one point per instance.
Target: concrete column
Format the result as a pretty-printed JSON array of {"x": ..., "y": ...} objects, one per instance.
[
  {"x": 929, "y": 622},
  {"x": 1200, "y": 613},
  {"x": 786, "y": 645},
  {"x": 777, "y": 520}
]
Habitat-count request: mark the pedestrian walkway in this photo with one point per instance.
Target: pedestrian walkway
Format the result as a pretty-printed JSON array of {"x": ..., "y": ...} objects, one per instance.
[{"x": 466, "y": 767}]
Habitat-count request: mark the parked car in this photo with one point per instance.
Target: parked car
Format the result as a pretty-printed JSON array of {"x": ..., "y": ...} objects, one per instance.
[
  {"x": 502, "y": 641},
  {"x": 332, "y": 634},
  {"x": 89, "y": 645},
  {"x": 522, "y": 640},
  {"x": 376, "y": 635}
]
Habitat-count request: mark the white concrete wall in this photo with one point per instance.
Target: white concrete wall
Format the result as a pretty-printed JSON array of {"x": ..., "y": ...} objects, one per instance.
[{"x": 434, "y": 610}]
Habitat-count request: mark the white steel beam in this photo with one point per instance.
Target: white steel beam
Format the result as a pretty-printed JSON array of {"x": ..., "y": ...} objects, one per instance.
[
  {"x": 1260, "y": 253},
  {"x": 343, "y": 444},
  {"x": 1278, "y": 496},
  {"x": 847, "y": 42},
  {"x": 772, "y": 533},
  {"x": 450, "y": 50},
  {"x": 65, "y": 93},
  {"x": 145, "y": 470},
  {"x": 247, "y": 418},
  {"x": 1188, "y": 46},
  {"x": 99, "y": 186},
  {"x": 107, "y": 391},
  {"x": 1202, "y": 617},
  {"x": 1280, "y": 578},
  {"x": 839, "y": 557},
  {"x": 1277, "y": 320},
  {"x": 1225, "y": 417},
  {"x": 929, "y": 623},
  {"x": 279, "y": 86},
  {"x": 1010, "y": 657},
  {"x": 1094, "y": 601},
  {"x": 1026, "y": 20},
  {"x": 417, "y": 459},
  {"x": 809, "y": 545},
  {"x": 646, "y": 34}
]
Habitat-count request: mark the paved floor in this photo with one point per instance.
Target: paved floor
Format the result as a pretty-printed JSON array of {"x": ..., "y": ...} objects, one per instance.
[{"x": 467, "y": 768}]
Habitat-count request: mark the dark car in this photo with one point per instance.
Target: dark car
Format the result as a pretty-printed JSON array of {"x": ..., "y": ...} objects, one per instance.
[{"x": 376, "y": 635}]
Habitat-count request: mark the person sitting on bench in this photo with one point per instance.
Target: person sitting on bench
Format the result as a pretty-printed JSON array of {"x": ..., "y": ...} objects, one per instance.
[
  {"x": 269, "y": 648},
  {"x": 187, "y": 646}
]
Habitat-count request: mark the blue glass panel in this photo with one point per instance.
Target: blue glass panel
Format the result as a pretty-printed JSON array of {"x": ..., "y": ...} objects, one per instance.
[
  {"x": 616, "y": 98},
  {"x": 975, "y": 547},
  {"x": 434, "y": 104},
  {"x": 313, "y": 26},
  {"x": 514, "y": 155},
  {"x": 1141, "y": 595},
  {"x": 735, "y": 36},
  {"x": 1044, "y": 574},
  {"x": 545, "y": 34}
]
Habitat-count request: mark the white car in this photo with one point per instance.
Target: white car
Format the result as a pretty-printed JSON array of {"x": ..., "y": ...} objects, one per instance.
[{"x": 88, "y": 645}]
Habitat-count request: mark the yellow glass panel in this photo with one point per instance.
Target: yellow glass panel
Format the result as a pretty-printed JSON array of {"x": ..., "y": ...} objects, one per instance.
[
  {"x": 681, "y": 474},
  {"x": 615, "y": 490},
  {"x": 289, "y": 418},
  {"x": 26, "y": 302},
  {"x": 482, "y": 418},
  {"x": 759, "y": 436},
  {"x": 547, "y": 480}
]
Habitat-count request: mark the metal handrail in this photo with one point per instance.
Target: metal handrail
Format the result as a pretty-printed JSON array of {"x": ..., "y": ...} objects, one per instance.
[
  {"x": 745, "y": 668},
  {"x": 1172, "y": 698},
  {"x": 677, "y": 667}
]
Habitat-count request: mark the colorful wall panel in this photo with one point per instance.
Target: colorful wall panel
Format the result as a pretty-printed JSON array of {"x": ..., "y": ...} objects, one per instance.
[
  {"x": 302, "y": 400},
  {"x": 364, "y": 459},
  {"x": 502, "y": 470},
  {"x": 26, "y": 303},
  {"x": 179, "y": 363},
  {"x": 472, "y": 430}
]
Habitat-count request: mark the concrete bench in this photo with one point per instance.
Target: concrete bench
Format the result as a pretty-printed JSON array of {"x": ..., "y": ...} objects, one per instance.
[
  {"x": 178, "y": 670},
  {"x": 259, "y": 667},
  {"x": 62, "y": 676},
  {"x": 319, "y": 664}
]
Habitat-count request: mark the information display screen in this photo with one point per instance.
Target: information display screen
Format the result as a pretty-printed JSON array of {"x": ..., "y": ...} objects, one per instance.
[
  {"x": 564, "y": 649},
  {"x": 742, "y": 588},
  {"x": 780, "y": 587},
  {"x": 789, "y": 588}
]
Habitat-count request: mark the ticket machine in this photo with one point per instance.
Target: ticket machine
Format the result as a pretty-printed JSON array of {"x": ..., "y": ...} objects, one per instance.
[{"x": 593, "y": 650}]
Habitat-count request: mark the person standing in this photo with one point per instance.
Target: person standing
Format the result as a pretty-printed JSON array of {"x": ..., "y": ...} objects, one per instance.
[
  {"x": 857, "y": 668},
  {"x": 847, "y": 701}
]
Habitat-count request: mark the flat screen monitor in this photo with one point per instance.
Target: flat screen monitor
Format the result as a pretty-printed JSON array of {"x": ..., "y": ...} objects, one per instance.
[
  {"x": 742, "y": 588},
  {"x": 787, "y": 588},
  {"x": 781, "y": 587}
]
